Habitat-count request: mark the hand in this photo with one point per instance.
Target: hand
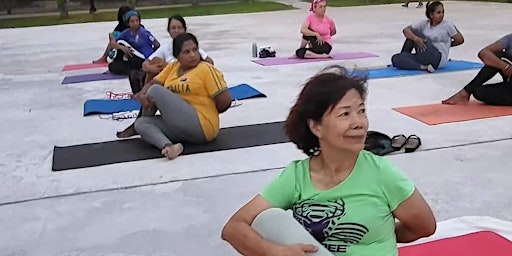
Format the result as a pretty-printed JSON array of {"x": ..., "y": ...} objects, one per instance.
[
  {"x": 319, "y": 39},
  {"x": 156, "y": 69},
  {"x": 145, "y": 100},
  {"x": 126, "y": 51},
  {"x": 421, "y": 44},
  {"x": 295, "y": 250},
  {"x": 507, "y": 73}
]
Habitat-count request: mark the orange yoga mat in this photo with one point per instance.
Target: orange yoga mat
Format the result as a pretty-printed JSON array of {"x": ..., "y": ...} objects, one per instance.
[
  {"x": 483, "y": 243},
  {"x": 433, "y": 114}
]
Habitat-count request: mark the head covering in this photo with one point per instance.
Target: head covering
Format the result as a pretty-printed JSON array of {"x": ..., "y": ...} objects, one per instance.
[
  {"x": 129, "y": 14},
  {"x": 314, "y": 3}
]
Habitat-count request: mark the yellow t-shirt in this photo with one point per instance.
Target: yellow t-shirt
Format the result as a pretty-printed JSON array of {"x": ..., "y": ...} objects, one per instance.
[{"x": 197, "y": 87}]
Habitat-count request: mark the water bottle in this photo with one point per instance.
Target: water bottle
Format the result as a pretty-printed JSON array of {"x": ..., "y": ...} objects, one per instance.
[{"x": 254, "y": 50}]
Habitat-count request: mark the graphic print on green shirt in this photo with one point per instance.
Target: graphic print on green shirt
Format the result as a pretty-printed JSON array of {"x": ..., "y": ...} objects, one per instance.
[
  {"x": 324, "y": 221},
  {"x": 354, "y": 218}
]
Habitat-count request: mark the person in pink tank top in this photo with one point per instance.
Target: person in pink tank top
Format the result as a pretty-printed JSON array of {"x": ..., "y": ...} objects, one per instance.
[{"x": 317, "y": 31}]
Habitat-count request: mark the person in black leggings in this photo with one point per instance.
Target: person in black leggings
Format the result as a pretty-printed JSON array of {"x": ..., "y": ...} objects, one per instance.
[
  {"x": 317, "y": 31},
  {"x": 497, "y": 58}
]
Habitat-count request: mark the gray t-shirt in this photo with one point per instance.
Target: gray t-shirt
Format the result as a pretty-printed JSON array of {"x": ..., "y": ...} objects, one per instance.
[
  {"x": 507, "y": 43},
  {"x": 440, "y": 35}
]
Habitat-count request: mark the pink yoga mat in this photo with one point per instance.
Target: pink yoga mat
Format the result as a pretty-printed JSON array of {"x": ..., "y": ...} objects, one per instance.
[
  {"x": 83, "y": 66},
  {"x": 294, "y": 60}
]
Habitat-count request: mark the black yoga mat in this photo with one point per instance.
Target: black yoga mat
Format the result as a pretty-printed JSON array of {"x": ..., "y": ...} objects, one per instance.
[{"x": 119, "y": 151}]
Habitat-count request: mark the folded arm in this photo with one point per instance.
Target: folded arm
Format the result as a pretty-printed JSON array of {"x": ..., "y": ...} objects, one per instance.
[
  {"x": 457, "y": 39},
  {"x": 490, "y": 56},
  {"x": 415, "y": 219},
  {"x": 242, "y": 237},
  {"x": 304, "y": 29}
]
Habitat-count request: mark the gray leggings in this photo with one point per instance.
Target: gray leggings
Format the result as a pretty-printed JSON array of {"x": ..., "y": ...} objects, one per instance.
[
  {"x": 409, "y": 61},
  {"x": 178, "y": 121},
  {"x": 279, "y": 226}
]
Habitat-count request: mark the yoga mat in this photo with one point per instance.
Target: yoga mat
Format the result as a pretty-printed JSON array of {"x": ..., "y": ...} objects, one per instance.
[
  {"x": 71, "y": 67},
  {"x": 451, "y": 66},
  {"x": 482, "y": 243},
  {"x": 433, "y": 114},
  {"x": 91, "y": 77},
  {"x": 118, "y": 151},
  {"x": 294, "y": 60},
  {"x": 109, "y": 106},
  {"x": 245, "y": 91}
]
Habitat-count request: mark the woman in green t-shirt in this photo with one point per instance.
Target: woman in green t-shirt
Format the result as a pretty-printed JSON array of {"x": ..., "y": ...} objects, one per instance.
[{"x": 343, "y": 200}]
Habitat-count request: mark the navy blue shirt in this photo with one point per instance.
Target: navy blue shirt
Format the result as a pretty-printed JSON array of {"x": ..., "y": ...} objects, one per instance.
[{"x": 142, "y": 41}]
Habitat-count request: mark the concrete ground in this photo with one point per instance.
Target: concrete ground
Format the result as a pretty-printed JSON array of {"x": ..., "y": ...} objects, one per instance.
[{"x": 159, "y": 207}]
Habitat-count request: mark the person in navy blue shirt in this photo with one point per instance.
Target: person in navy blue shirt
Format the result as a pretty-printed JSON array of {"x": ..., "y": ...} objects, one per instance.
[
  {"x": 109, "y": 53},
  {"x": 133, "y": 45}
]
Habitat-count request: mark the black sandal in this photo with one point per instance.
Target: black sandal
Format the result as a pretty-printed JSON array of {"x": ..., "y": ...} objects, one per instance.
[
  {"x": 398, "y": 141},
  {"x": 412, "y": 143}
]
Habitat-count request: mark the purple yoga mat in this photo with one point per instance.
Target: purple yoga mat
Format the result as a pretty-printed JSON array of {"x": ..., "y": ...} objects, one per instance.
[
  {"x": 295, "y": 60},
  {"x": 91, "y": 77}
]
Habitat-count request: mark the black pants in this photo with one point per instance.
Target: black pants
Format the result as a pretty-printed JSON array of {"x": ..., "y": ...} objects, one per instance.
[
  {"x": 409, "y": 61},
  {"x": 92, "y": 8},
  {"x": 317, "y": 48},
  {"x": 137, "y": 78},
  {"x": 124, "y": 67},
  {"x": 491, "y": 94}
]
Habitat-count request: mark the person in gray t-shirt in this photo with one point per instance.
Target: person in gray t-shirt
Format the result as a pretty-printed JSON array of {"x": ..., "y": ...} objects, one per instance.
[
  {"x": 497, "y": 58},
  {"x": 431, "y": 40}
]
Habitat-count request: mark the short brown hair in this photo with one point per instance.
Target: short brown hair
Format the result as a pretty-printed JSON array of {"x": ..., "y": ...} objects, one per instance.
[{"x": 320, "y": 93}]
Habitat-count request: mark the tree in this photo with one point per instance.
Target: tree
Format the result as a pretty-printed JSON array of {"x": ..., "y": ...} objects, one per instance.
[{"x": 63, "y": 8}]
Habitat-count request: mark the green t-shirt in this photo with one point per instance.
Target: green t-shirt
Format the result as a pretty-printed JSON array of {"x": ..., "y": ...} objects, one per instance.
[{"x": 353, "y": 218}]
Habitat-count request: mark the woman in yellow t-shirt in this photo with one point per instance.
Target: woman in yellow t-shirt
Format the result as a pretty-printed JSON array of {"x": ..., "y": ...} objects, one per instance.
[{"x": 190, "y": 94}]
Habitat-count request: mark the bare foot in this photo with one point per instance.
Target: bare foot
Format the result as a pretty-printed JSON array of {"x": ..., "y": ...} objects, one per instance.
[
  {"x": 128, "y": 132},
  {"x": 461, "y": 97},
  {"x": 172, "y": 151}
]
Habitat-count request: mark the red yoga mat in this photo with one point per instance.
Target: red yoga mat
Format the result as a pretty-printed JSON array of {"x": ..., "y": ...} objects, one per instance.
[
  {"x": 482, "y": 243},
  {"x": 83, "y": 66}
]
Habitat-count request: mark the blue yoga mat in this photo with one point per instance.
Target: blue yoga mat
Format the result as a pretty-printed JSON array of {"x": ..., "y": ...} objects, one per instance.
[
  {"x": 107, "y": 106},
  {"x": 91, "y": 77},
  {"x": 451, "y": 66}
]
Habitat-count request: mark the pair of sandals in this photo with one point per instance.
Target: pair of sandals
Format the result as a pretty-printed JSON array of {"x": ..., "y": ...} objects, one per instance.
[
  {"x": 410, "y": 144},
  {"x": 407, "y": 5}
]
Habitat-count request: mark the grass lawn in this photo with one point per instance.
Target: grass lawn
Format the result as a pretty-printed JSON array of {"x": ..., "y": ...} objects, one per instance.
[
  {"x": 340, "y": 3},
  {"x": 200, "y": 10}
]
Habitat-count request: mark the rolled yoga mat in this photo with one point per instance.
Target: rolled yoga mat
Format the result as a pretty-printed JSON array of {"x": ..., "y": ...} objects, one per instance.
[
  {"x": 294, "y": 60},
  {"x": 119, "y": 151}
]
